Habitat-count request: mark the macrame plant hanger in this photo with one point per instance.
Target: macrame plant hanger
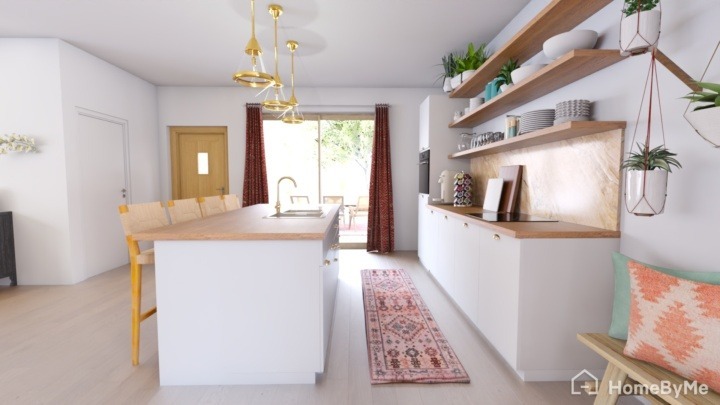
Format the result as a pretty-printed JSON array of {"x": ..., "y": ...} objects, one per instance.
[
  {"x": 647, "y": 206},
  {"x": 714, "y": 141}
]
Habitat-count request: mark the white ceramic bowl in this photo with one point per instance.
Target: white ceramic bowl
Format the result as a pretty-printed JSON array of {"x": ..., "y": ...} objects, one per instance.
[
  {"x": 524, "y": 72},
  {"x": 561, "y": 44}
]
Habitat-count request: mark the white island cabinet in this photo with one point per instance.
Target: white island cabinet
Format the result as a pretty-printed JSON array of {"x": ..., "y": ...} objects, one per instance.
[
  {"x": 244, "y": 299},
  {"x": 529, "y": 288}
]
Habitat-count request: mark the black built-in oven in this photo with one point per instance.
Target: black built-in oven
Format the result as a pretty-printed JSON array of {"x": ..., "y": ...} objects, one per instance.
[{"x": 424, "y": 168}]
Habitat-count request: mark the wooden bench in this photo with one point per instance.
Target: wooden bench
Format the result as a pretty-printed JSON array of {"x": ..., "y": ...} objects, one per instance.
[{"x": 626, "y": 370}]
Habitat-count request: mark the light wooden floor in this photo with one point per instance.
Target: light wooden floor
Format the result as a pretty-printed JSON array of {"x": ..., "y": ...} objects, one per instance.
[{"x": 70, "y": 345}]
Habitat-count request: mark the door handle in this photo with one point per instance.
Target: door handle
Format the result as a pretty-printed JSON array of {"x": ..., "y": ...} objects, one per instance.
[
  {"x": 124, "y": 192},
  {"x": 221, "y": 190}
]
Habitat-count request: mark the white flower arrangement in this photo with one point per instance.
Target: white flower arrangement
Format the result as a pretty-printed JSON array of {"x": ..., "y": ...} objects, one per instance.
[{"x": 16, "y": 143}]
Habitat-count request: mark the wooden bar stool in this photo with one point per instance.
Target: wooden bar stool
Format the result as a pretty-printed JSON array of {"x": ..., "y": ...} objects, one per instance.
[
  {"x": 211, "y": 205},
  {"x": 137, "y": 218},
  {"x": 183, "y": 210}
]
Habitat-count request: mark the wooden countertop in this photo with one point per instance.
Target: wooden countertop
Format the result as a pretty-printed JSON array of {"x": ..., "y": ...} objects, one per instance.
[
  {"x": 527, "y": 230},
  {"x": 247, "y": 223}
]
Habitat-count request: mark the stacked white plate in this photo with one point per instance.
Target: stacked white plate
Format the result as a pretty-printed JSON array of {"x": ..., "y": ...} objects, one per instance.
[
  {"x": 535, "y": 120},
  {"x": 572, "y": 110}
]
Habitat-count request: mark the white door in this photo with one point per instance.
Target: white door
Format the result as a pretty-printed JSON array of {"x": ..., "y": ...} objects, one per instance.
[{"x": 103, "y": 183}]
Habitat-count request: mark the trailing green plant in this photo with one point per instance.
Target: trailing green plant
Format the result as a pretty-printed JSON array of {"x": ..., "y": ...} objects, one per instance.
[
  {"x": 505, "y": 70},
  {"x": 449, "y": 63},
  {"x": 650, "y": 159},
  {"x": 633, "y": 6},
  {"x": 711, "y": 96},
  {"x": 473, "y": 58}
]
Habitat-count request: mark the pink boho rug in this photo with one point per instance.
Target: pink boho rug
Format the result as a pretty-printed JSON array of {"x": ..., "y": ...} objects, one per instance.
[{"x": 404, "y": 342}]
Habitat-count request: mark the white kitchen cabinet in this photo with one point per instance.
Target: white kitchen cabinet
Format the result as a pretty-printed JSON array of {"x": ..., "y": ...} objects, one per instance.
[
  {"x": 423, "y": 230},
  {"x": 467, "y": 261},
  {"x": 498, "y": 289},
  {"x": 436, "y": 112},
  {"x": 529, "y": 297},
  {"x": 444, "y": 271}
]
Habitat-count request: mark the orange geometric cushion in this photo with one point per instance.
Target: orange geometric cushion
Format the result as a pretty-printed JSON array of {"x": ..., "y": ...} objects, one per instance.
[{"x": 675, "y": 324}]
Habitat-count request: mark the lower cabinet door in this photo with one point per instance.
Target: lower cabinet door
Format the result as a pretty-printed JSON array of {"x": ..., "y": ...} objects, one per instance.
[
  {"x": 467, "y": 267},
  {"x": 444, "y": 262},
  {"x": 498, "y": 293},
  {"x": 330, "y": 271}
]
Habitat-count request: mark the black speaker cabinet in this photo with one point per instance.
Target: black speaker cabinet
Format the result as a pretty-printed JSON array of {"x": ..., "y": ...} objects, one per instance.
[{"x": 7, "y": 248}]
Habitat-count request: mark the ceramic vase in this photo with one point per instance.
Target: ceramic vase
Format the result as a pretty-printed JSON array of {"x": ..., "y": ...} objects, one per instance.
[
  {"x": 645, "y": 191},
  {"x": 706, "y": 123},
  {"x": 639, "y": 33}
]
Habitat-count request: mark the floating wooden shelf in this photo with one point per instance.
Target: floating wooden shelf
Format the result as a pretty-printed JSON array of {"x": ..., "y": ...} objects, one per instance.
[
  {"x": 569, "y": 68},
  {"x": 557, "y": 17},
  {"x": 560, "y": 132}
]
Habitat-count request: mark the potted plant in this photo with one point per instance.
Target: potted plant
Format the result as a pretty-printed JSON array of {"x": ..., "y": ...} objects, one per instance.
[
  {"x": 449, "y": 64},
  {"x": 466, "y": 65},
  {"x": 646, "y": 179},
  {"x": 705, "y": 117},
  {"x": 505, "y": 80},
  {"x": 640, "y": 26}
]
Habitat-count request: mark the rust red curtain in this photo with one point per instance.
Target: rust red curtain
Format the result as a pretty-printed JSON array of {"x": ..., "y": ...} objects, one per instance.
[
  {"x": 381, "y": 222},
  {"x": 255, "y": 187}
]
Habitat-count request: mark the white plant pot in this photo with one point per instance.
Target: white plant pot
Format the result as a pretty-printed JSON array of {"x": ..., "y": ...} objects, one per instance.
[
  {"x": 455, "y": 81},
  {"x": 504, "y": 87},
  {"x": 447, "y": 87},
  {"x": 466, "y": 74},
  {"x": 706, "y": 123},
  {"x": 645, "y": 191},
  {"x": 636, "y": 39}
]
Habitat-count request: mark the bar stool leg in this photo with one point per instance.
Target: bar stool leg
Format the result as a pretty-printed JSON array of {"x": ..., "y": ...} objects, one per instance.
[{"x": 135, "y": 292}]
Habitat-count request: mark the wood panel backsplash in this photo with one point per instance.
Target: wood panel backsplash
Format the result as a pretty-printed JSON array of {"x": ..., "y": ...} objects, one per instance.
[{"x": 576, "y": 181}]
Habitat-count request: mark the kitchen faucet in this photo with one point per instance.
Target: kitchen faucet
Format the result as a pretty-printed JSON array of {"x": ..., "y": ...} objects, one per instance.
[{"x": 277, "y": 204}]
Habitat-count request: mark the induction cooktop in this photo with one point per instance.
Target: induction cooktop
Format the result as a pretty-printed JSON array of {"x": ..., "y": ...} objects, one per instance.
[{"x": 508, "y": 217}]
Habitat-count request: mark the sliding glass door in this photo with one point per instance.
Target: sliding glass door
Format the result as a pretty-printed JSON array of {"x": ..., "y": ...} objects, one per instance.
[{"x": 329, "y": 157}]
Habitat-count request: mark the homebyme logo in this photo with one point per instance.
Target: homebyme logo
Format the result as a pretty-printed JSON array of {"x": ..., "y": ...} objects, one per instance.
[{"x": 584, "y": 381}]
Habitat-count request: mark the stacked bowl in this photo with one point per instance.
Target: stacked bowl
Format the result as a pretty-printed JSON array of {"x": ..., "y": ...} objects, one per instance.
[
  {"x": 572, "y": 110},
  {"x": 535, "y": 120}
]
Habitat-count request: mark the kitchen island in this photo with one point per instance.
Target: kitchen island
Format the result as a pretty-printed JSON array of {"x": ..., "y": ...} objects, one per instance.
[{"x": 245, "y": 299}]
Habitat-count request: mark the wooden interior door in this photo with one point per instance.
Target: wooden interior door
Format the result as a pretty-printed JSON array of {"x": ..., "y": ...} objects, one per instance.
[{"x": 199, "y": 161}]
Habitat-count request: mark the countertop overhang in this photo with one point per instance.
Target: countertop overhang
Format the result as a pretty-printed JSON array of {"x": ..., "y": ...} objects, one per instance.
[
  {"x": 248, "y": 223},
  {"x": 527, "y": 230}
]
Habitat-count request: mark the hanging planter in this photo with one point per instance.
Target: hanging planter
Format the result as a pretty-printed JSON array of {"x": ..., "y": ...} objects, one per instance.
[
  {"x": 640, "y": 26},
  {"x": 647, "y": 169},
  {"x": 705, "y": 116},
  {"x": 646, "y": 179}
]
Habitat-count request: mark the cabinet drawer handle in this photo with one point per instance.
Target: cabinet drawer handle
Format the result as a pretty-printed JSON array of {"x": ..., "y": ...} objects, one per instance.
[
  {"x": 445, "y": 216},
  {"x": 335, "y": 259},
  {"x": 496, "y": 237},
  {"x": 432, "y": 212},
  {"x": 327, "y": 262},
  {"x": 465, "y": 225}
]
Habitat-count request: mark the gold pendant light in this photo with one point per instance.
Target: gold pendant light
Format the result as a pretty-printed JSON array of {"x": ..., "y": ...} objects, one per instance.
[
  {"x": 293, "y": 116},
  {"x": 254, "y": 77},
  {"x": 275, "y": 102}
]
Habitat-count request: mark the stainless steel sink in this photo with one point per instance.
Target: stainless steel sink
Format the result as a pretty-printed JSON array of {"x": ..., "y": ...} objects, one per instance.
[{"x": 316, "y": 213}]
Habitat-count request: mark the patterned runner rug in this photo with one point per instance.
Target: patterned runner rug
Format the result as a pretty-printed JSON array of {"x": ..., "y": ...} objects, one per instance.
[{"x": 404, "y": 342}]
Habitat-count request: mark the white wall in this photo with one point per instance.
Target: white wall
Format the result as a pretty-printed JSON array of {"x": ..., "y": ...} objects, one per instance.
[
  {"x": 225, "y": 106},
  {"x": 43, "y": 81},
  {"x": 33, "y": 186},
  {"x": 93, "y": 84},
  {"x": 684, "y": 235}
]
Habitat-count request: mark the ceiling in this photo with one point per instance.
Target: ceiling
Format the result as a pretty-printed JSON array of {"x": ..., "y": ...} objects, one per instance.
[{"x": 343, "y": 43}]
